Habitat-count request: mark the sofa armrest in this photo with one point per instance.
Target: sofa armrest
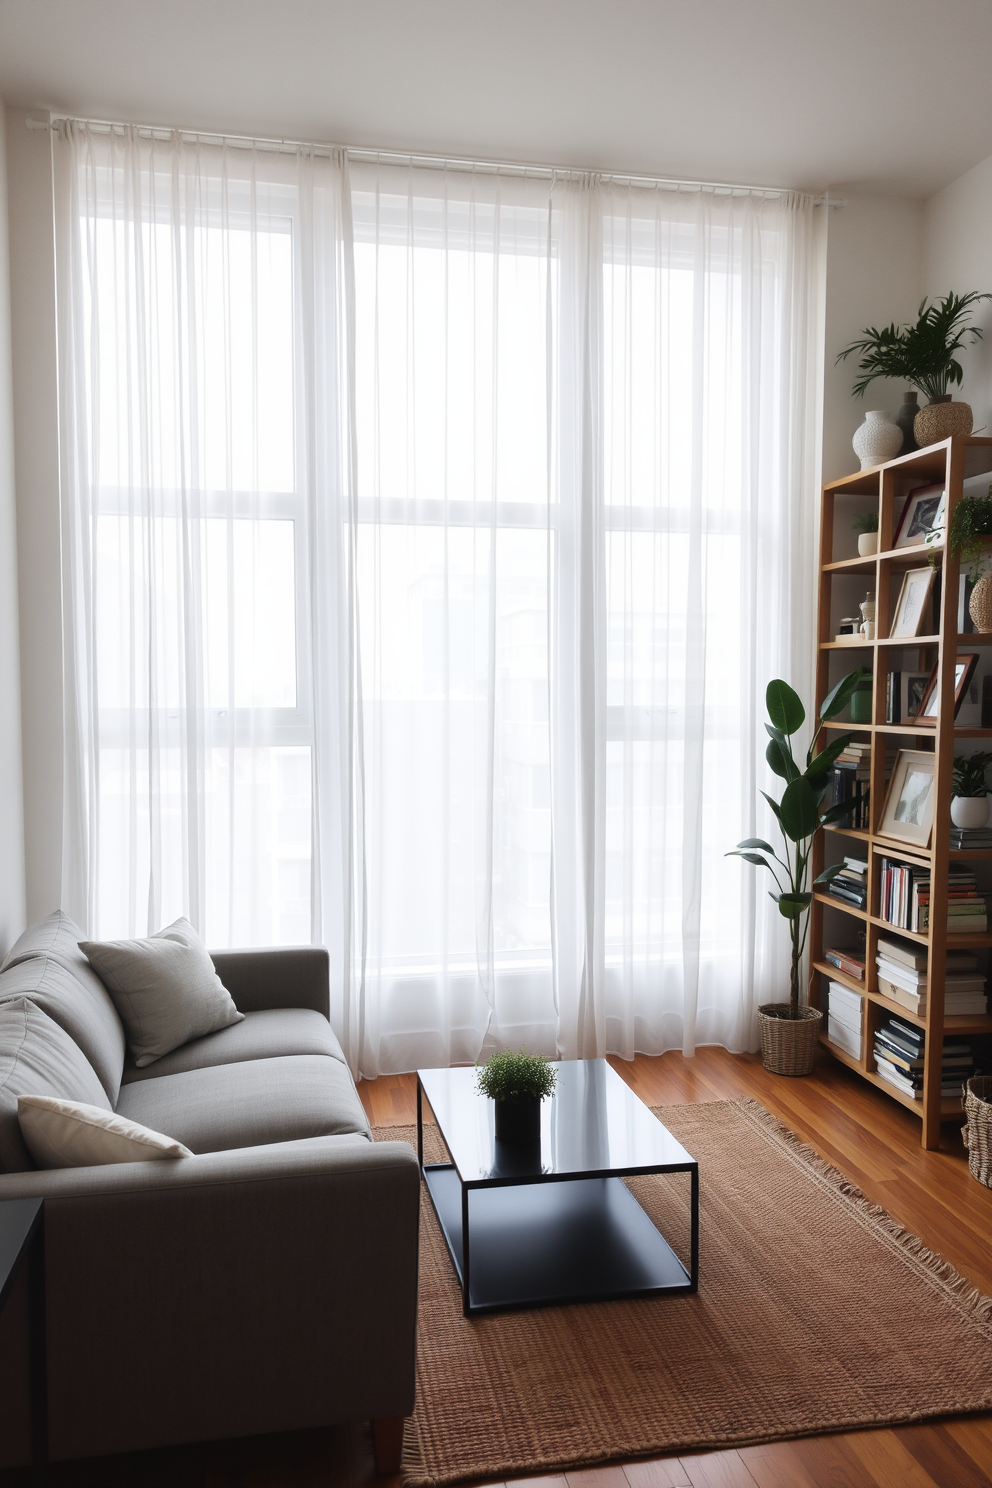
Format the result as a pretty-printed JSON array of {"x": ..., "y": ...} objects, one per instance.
[
  {"x": 266, "y": 1289},
  {"x": 278, "y": 977}
]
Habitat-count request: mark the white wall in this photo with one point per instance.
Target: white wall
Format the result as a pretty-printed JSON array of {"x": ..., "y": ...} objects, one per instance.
[
  {"x": 874, "y": 276},
  {"x": 11, "y": 815},
  {"x": 32, "y": 274},
  {"x": 957, "y": 255}
]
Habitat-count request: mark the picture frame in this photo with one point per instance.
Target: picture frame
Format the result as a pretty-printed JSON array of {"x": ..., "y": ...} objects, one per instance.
[
  {"x": 912, "y": 688},
  {"x": 920, "y": 513},
  {"x": 912, "y": 602},
  {"x": 964, "y": 670},
  {"x": 907, "y": 815}
]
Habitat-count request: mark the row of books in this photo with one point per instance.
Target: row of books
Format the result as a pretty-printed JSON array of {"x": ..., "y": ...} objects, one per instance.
[
  {"x": 845, "y": 1018},
  {"x": 851, "y": 883},
  {"x": 902, "y": 976},
  {"x": 849, "y": 781},
  {"x": 971, "y": 837},
  {"x": 905, "y": 898},
  {"x": 900, "y": 1054}
]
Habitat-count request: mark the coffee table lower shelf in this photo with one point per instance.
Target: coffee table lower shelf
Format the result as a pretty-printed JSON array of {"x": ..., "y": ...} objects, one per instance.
[{"x": 545, "y": 1244}]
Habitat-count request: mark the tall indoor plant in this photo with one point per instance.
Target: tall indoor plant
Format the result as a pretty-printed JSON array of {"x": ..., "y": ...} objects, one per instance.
[
  {"x": 789, "y": 1049},
  {"x": 922, "y": 354}
]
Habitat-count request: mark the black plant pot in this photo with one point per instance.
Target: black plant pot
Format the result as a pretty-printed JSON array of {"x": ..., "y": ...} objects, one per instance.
[{"x": 519, "y": 1121}]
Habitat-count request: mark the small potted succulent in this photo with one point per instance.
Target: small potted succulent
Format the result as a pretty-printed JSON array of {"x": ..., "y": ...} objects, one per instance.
[
  {"x": 970, "y": 801},
  {"x": 517, "y": 1082},
  {"x": 865, "y": 525}
]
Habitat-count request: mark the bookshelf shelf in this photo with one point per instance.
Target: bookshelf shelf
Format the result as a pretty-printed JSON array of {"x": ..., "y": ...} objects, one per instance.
[{"x": 843, "y": 579}]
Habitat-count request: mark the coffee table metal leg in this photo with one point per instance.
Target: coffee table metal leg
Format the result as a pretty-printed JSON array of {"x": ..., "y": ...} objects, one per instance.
[
  {"x": 38, "y": 1352},
  {"x": 466, "y": 1304},
  {"x": 694, "y": 1239}
]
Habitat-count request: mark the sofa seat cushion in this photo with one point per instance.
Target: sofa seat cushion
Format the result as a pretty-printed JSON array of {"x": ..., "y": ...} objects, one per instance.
[
  {"x": 37, "y": 1057},
  {"x": 270, "y": 1033},
  {"x": 47, "y": 965},
  {"x": 249, "y": 1104}
]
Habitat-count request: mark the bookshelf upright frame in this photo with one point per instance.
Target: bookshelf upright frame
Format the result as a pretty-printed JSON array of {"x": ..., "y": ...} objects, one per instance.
[{"x": 965, "y": 468}]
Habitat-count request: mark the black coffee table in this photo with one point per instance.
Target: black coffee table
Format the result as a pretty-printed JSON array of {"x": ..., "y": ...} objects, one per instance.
[{"x": 529, "y": 1229}]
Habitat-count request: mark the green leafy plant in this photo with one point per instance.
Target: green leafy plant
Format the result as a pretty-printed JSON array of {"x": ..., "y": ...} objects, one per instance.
[
  {"x": 968, "y": 774},
  {"x": 798, "y": 813},
  {"x": 971, "y": 523},
  {"x": 865, "y": 522},
  {"x": 514, "y": 1075},
  {"x": 920, "y": 354}
]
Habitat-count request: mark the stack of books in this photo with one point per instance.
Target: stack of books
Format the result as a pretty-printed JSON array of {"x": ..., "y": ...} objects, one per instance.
[
  {"x": 899, "y": 1058},
  {"x": 848, "y": 959},
  {"x": 905, "y": 898},
  {"x": 971, "y": 837},
  {"x": 902, "y": 976},
  {"x": 849, "y": 778},
  {"x": 845, "y": 1011},
  {"x": 851, "y": 884}
]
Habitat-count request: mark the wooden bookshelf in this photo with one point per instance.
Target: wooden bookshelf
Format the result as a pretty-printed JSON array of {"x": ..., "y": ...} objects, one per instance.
[{"x": 965, "y": 467}]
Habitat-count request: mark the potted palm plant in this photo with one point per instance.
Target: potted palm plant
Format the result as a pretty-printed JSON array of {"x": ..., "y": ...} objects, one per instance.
[
  {"x": 517, "y": 1082},
  {"x": 789, "y": 1029},
  {"x": 923, "y": 354}
]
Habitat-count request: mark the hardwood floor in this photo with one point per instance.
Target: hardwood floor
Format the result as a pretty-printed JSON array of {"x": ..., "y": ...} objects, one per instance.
[{"x": 869, "y": 1137}]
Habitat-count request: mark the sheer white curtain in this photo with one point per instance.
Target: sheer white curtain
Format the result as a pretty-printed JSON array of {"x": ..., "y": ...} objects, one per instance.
[{"x": 430, "y": 536}]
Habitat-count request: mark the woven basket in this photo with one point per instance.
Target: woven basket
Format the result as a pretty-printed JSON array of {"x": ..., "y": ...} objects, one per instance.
[
  {"x": 788, "y": 1045},
  {"x": 978, "y": 1133}
]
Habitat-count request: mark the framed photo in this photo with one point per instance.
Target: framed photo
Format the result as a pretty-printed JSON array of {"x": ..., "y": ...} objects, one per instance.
[
  {"x": 964, "y": 667},
  {"x": 912, "y": 602},
  {"x": 907, "y": 815},
  {"x": 938, "y": 527},
  {"x": 912, "y": 688},
  {"x": 920, "y": 513}
]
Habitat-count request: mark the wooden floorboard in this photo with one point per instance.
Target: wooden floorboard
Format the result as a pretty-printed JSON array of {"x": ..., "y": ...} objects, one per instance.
[{"x": 869, "y": 1137}]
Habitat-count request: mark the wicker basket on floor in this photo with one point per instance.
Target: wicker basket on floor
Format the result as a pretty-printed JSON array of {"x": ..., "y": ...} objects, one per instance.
[
  {"x": 978, "y": 1133},
  {"x": 788, "y": 1045}
]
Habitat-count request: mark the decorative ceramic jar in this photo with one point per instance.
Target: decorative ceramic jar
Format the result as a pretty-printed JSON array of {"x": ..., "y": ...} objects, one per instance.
[
  {"x": 980, "y": 604},
  {"x": 867, "y": 544},
  {"x": 904, "y": 418},
  {"x": 940, "y": 419},
  {"x": 970, "y": 811},
  {"x": 878, "y": 439}
]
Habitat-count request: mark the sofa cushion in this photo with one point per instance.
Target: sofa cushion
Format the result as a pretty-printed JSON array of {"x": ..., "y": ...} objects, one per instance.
[
  {"x": 249, "y": 1104},
  {"x": 77, "y": 1000},
  {"x": 266, "y": 1034},
  {"x": 69, "y": 1134},
  {"x": 165, "y": 989},
  {"x": 37, "y": 1057}
]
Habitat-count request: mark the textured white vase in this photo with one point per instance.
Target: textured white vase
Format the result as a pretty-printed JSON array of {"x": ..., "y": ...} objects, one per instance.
[
  {"x": 970, "y": 811},
  {"x": 877, "y": 439}
]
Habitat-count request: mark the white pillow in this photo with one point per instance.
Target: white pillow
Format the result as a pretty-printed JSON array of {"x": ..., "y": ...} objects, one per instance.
[
  {"x": 165, "y": 989},
  {"x": 68, "y": 1134}
]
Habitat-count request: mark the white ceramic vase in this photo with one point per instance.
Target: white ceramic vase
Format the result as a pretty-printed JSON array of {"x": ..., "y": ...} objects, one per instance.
[
  {"x": 970, "y": 811},
  {"x": 867, "y": 544},
  {"x": 877, "y": 439}
]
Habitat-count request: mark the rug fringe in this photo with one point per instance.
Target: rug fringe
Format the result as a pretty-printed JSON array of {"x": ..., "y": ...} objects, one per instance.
[{"x": 969, "y": 1298}]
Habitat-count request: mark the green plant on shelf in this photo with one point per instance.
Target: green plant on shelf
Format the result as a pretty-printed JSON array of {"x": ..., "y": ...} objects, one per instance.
[
  {"x": 515, "y": 1075},
  {"x": 798, "y": 813},
  {"x": 971, "y": 526},
  {"x": 920, "y": 353},
  {"x": 865, "y": 522},
  {"x": 968, "y": 775}
]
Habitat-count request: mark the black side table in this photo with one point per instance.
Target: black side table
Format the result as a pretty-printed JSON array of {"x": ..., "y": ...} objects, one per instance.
[{"x": 22, "y": 1238}]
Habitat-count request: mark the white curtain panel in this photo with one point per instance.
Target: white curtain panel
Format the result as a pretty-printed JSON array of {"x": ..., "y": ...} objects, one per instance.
[{"x": 431, "y": 537}]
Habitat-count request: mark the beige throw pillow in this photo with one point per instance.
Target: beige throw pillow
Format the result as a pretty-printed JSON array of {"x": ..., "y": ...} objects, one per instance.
[
  {"x": 68, "y": 1134},
  {"x": 165, "y": 989}
]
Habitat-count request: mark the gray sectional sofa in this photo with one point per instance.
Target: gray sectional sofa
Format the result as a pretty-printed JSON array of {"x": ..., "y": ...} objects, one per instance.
[{"x": 267, "y": 1283}]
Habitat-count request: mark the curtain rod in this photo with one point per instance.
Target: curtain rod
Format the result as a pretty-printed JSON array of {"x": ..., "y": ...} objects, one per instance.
[{"x": 431, "y": 162}]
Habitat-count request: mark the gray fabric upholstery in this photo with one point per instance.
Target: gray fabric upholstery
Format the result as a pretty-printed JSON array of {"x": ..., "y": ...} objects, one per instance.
[
  {"x": 80, "y": 1006},
  {"x": 286, "y": 977},
  {"x": 56, "y": 938},
  {"x": 37, "y": 1057},
  {"x": 244, "y": 1105},
  {"x": 267, "y": 1034},
  {"x": 270, "y": 1289}
]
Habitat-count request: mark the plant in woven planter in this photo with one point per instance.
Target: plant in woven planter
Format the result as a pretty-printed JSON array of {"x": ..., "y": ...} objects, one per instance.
[
  {"x": 517, "y": 1082},
  {"x": 788, "y": 1030},
  {"x": 968, "y": 534}
]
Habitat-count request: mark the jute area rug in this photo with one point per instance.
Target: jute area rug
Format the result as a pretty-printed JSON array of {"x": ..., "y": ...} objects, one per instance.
[{"x": 816, "y": 1312}]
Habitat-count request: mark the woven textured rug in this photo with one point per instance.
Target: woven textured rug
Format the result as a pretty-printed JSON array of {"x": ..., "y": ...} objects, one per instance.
[{"x": 816, "y": 1312}]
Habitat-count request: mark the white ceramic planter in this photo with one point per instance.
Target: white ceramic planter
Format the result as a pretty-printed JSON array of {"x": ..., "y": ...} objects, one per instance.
[
  {"x": 867, "y": 544},
  {"x": 970, "y": 811},
  {"x": 878, "y": 439}
]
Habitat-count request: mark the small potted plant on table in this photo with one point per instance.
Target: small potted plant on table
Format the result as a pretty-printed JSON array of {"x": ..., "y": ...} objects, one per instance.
[
  {"x": 970, "y": 801},
  {"x": 789, "y": 1030},
  {"x": 517, "y": 1082}
]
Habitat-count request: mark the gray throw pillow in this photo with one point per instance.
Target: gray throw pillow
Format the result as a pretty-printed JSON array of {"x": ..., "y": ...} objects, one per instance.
[
  {"x": 165, "y": 989},
  {"x": 37, "y": 1057}
]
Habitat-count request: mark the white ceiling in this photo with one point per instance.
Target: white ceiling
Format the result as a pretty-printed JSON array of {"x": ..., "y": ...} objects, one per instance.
[{"x": 873, "y": 95}]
